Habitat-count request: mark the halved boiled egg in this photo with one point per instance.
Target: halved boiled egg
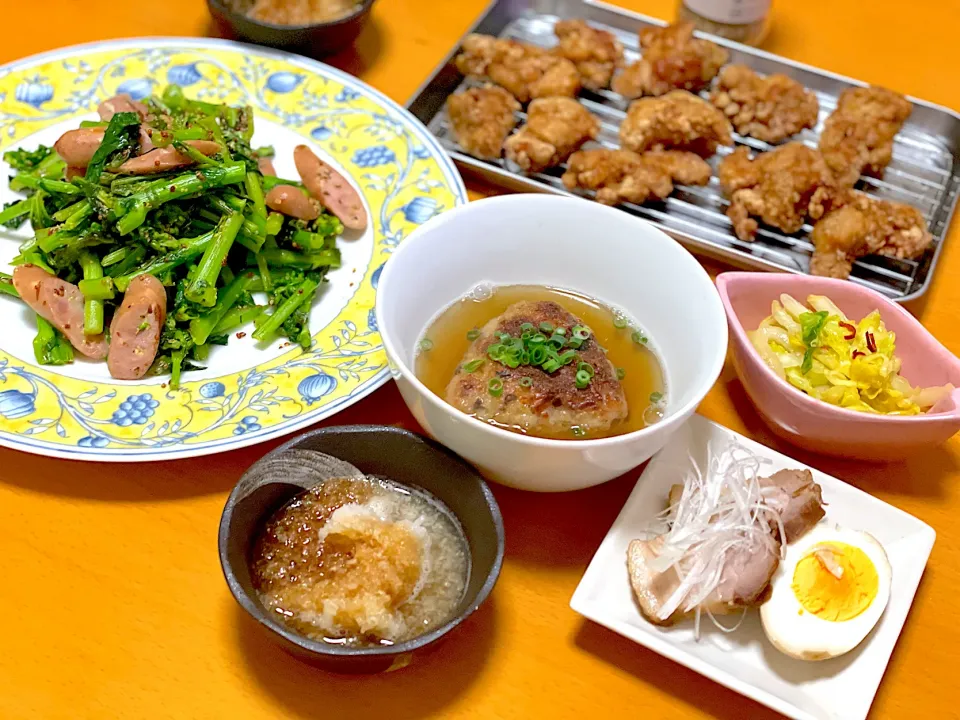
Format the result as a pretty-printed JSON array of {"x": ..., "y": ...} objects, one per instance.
[{"x": 827, "y": 594}]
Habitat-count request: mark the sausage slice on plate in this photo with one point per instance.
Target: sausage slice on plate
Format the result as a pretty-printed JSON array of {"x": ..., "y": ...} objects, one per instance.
[
  {"x": 59, "y": 303},
  {"x": 135, "y": 330},
  {"x": 331, "y": 188}
]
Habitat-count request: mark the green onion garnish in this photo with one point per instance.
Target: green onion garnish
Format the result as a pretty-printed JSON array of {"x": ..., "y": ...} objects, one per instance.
[
  {"x": 547, "y": 327},
  {"x": 495, "y": 387},
  {"x": 656, "y": 397},
  {"x": 473, "y": 365},
  {"x": 619, "y": 322},
  {"x": 587, "y": 368},
  {"x": 579, "y": 431},
  {"x": 582, "y": 379},
  {"x": 567, "y": 357},
  {"x": 638, "y": 337},
  {"x": 526, "y": 382},
  {"x": 426, "y": 344},
  {"x": 581, "y": 332},
  {"x": 473, "y": 334},
  {"x": 621, "y": 373},
  {"x": 527, "y": 327},
  {"x": 560, "y": 331}
]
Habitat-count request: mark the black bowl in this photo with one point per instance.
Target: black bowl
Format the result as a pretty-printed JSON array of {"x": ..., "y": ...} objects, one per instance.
[
  {"x": 314, "y": 40},
  {"x": 402, "y": 456}
]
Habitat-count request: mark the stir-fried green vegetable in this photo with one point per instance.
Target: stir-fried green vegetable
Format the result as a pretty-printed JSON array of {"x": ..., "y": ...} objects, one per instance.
[{"x": 203, "y": 230}]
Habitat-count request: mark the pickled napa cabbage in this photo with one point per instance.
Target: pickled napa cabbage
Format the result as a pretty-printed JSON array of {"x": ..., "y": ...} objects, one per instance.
[{"x": 834, "y": 359}]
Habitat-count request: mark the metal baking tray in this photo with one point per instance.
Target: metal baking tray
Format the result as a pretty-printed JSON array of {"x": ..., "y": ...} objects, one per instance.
[{"x": 925, "y": 171}]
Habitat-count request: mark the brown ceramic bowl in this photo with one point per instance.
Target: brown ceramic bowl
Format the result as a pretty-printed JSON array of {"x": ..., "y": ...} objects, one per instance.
[
  {"x": 404, "y": 457},
  {"x": 314, "y": 40}
]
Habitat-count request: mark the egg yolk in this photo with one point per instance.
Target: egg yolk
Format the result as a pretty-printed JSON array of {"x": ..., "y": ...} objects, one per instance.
[{"x": 822, "y": 593}]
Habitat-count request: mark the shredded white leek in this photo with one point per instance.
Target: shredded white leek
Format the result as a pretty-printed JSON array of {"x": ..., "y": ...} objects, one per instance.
[{"x": 721, "y": 511}]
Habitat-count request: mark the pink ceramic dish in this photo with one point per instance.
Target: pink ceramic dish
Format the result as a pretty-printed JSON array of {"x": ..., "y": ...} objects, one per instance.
[{"x": 813, "y": 424}]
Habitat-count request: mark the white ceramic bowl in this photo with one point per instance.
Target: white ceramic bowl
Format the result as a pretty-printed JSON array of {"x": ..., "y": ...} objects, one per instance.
[{"x": 564, "y": 242}]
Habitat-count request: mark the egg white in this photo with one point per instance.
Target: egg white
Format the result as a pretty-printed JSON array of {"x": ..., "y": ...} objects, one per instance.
[{"x": 800, "y": 634}]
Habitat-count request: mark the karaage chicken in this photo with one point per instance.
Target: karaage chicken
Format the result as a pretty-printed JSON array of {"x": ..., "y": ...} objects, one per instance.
[
  {"x": 525, "y": 71},
  {"x": 555, "y": 128},
  {"x": 677, "y": 121},
  {"x": 671, "y": 59},
  {"x": 769, "y": 108},
  {"x": 625, "y": 176},
  {"x": 783, "y": 187},
  {"x": 596, "y": 53},
  {"x": 482, "y": 118},
  {"x": 857, "y": 138},
  {"x": 866, "y": 226}
]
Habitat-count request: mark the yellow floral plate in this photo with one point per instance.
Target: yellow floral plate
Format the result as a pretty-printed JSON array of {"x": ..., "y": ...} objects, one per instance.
[{"x": 248, "y": 393}]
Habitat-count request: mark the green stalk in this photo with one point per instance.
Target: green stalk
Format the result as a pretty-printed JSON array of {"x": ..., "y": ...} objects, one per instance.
[
  {"x": 69, "y": 210},
  {"x": 112, "y": 258},
  {"x": 255, "y": 193},
  {"x": 274, "y": 223},
  {"x": 194, "y": 154},
  {"x": 277, "y": 257},
  {"x": 49, "y": 346},
  {"x": 128, "y": 264},
  {"x": 191, "y": 248},
  {"x": 271, "y": 181},
  {"x": 97, "y": 288},
  {"x": 201, "y": 328},
  {"x": 51, "y": 186},
  {"x": 237, "y": 316},
  {"x": 92, "y": 308},
  {"x": 203, "y": 288},
  {"x": 6, "y": 285},
  {"x": 16, "y": 210},
  {"x": 285, "y": 310},
  {"x": 134, "y": 209},
  {"x": 264, "y": 272}
]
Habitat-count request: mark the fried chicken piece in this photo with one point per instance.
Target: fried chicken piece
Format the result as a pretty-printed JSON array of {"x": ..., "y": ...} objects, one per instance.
[
  {"x": 482, "y": 118},
  {"x": 769, "y": 108},
  {"x": 677, "y": 121},
  {"x": 782, "y": 187},
  {"x": 525, "y": 71},
  {"x": 596, "y": 53},
  {"x": 625, "y": 176},
  {"x": 857, "y": 138},
  {"x": 866, "y": 226},
  {"x": 672, "y": 59},
  {"x": 556, "y": 127}
]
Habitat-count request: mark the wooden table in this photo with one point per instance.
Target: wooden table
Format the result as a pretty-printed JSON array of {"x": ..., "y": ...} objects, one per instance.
[{"x": 111, "y": 597}]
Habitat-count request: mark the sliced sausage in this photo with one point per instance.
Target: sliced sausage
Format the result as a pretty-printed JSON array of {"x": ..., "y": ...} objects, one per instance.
[
  {"x": 135, "y": 330},
  {"x": 121, "y": 103},
  {"x": 265, "y": 165},
  {"x": 291, "y": 201},
  {"x": 331, "y": 188},
  {"x": 167, "y": 158},
  {"x": 77, "y": 147},
  {"x": 61, "y": 304}
]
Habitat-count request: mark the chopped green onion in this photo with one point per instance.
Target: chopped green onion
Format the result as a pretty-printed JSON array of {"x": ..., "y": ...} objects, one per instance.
[
  {"x": 587, "y": 368},
  {"x": 495, "y": 387},
  {"x": 575, "y": 343},
  {"x": 619, "y": 322},
  {"x": 567, "y": 357},
  {"x": 473, "y": 365},
  {"x": 560, "y": 331},
  {"x": 638, "y": 337},
  {"x": 426, "y": 345},
  {"x": 656, "y": 397},
  {"x": 473, "y": 334},
  {"x": 538, "y": 339},
  {"x": 582, "y": 379},
  {"x": 579, "y": 431},
  {"x": 621, "y": 373},
  {"x": 527, "y": 327},
  {"x": 581, "y": 332},
  {"x": 547, "y": 327},
  {"x": 526, "y": 382}
]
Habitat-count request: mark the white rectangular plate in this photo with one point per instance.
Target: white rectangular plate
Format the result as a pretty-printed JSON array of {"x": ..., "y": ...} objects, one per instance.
[{"x": 838, "y": 689}]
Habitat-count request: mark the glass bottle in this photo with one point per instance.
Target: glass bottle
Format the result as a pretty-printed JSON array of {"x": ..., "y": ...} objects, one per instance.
[{"x": 740, "y": 20}]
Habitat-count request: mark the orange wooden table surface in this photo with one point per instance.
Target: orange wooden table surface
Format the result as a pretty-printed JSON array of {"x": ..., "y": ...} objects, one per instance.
[{"x": 111, "y": 599}]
